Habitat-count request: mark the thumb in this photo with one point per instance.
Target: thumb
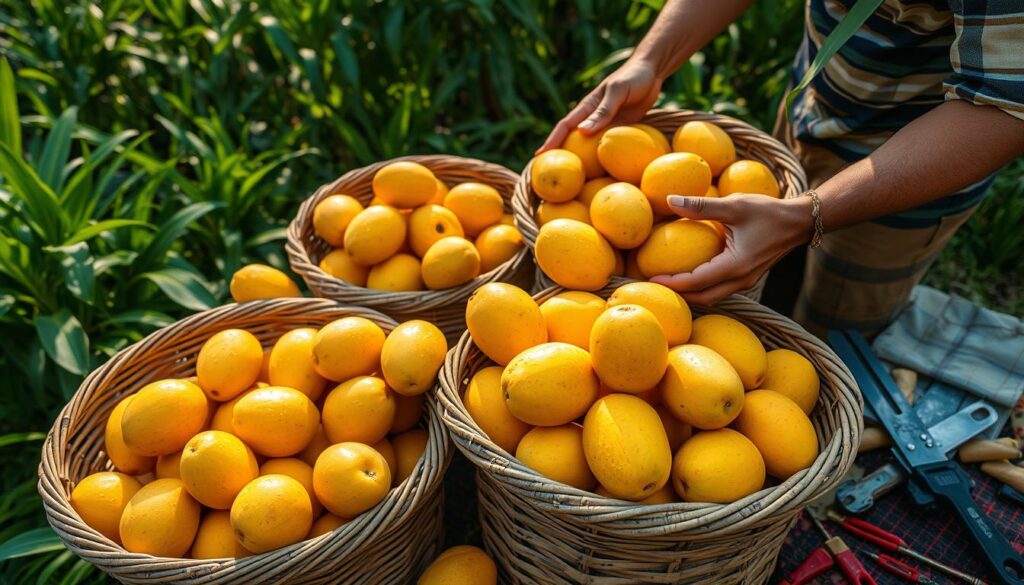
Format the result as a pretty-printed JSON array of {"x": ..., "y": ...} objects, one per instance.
[
  {"x": 605, "y": 111},
  {"x": 718, "y": 209}
]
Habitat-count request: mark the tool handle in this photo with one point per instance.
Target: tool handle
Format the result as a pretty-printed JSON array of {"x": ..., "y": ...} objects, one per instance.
[
  {"x": 854, "y": 572},
  {"x": 947, "y": 481},
  {"x": 817, "y": 563},
  {"x": 898, "y": 567},
  {"x": 867, "y": 531}
]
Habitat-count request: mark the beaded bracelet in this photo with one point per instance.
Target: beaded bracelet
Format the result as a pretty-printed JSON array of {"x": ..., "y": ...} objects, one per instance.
[{"x": 819, "y": 229}]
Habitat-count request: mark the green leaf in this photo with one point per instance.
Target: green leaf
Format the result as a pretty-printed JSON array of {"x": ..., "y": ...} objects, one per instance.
[
  {"x": 107, "y": 225},
  {"x": 10, "y": 121},
  {"x": 57, "y": 150},
  {"x": 170, "y": 231},
  {"x": 154, "y": 319},
  {"x": 15, "y": 438},
  {"x": 79, "y": 273},
  {"x": 64, "y": 340},
  {"x": 44, "y": 214},
  {"x": 842, "y": 33},
  {"x": 33, "y": 542},
  {"x": 183, "y": 288}
]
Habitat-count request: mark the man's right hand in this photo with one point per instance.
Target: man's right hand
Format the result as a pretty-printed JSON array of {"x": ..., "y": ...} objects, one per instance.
[{"x": 623, "y": 97}]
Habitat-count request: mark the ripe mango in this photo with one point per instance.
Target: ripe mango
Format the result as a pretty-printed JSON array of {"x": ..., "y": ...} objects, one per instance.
[
  {"x": 780, "y": 430},
  {"x": 626, "y": 446},
  {"x": 550, "y": 384},
  {"x": 736, "y": 343},
  {"x": 718, "y": 466},
  {"x": 574, "y": 254},
  {"x": 228, "y": 363},
  {"x": 485, "y": 402},
  {"x": 101, "y": 498},
  {"x": 793, "y": 376},
  {"x": 570, "y": 315},
  {"x": 503, "y": 321},
  {"x": 291, "y": 363},
  {"x": 460, "y": 565},
  {"x": 411, "y": 356},
  {"x": 161, "y": 519},
  {"x": 701, "y": 388},
  {"x": 628, "y": 348},
  {"x": 163, "y": 416},
  {"x": 557, "y": 453},
  {"x": 668, "y": 307}
]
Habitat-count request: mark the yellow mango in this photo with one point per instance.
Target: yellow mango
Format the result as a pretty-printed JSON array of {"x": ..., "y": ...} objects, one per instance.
[
  {"x": 215, "y": 538},
  {"x": 550, "y": 384},
  {"x": 557, "y": 454},
  {"x": 478, "y": 206},
  {"x": 124, "y": 459},
  {"x": 275, "y": 421},
  {"x": 228, "y": 363},
  {"x": 408, "y": 410},
  {"x": 570, "y": 315},
  {"x": 340, "y": 265},
  {"x": 678, "y": 246},
  {"x": 163, "y": 416},
  {"x": 291, "y": 363},
  {"x": 585, "y": 147},
  {"x": 676, "y": 430},
  {"x": 404, "y": 184},
  {"x": 628, "y": 349},
  {"x": 271, "y": 511},
  {"x": 450, "y": 262},
  {"x": 326, "y": 523},
  {"x": 625, "y": 151},
  {"x": 411, "y": 356},
  {"x": 626, "y": 446},
  {"x": 347, "y": 347},
  {"x": 296, "y": 469},
  {"x": 361, "y": 409},
  {"x": 668, "y": 307},
  {"x": 780, "y": 430},
  {"x": 215, "y": 466},
  {"x": 485, "y": 402},
  {"x": 748, "y": 176},
  {"x": 622, "y": 214},
  {"x": 399, "y": 273},
  {"x": 557, "y": 175},
  {"x": 161, "y": 519},
  {"x": 460, "y": 565},
  {"x": 497, "y": 245},
  {"x": 259, "y": 281},
  {"x": 707, "y": 141},
  {"x": 101, "y": 498},
  {"x": 169, "y": 466},
  {"x": 590, "y": 189},
  {"x": 574, "y": 254},
  {"x": 793, "y": 376},
  {"x": 409, "y": 448},
  {"x": 384, "y": 447},
  {"x": 375, "y": 234},
  {"x": 572, "y": 209},
  {"x": 429, "y": 224},
  {"x": 503, "y": 321},
  {"x": 736, "y": 343},
  {"x": 332, "y": 215},
  {"x": 718, "y": 466},
  {"x": 701, "y": 388},
  {"x": 350, "y": 478}
]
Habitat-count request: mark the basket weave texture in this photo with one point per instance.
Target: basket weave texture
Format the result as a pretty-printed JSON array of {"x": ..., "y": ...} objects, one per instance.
[
  {"x": 445, "y": 308},
  {"x": 750, "y": 142},
  {"x": 390, "y": 543},
  {"x": 541, "y": 531}
]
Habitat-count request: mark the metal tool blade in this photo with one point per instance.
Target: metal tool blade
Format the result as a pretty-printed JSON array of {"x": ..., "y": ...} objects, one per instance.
[{"x": 965, "y": 424}]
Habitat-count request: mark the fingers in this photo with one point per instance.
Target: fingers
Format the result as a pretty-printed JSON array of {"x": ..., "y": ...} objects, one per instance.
[
  {"x": 724, "y": 210},
  {"x": 605, "y": 111},
  {"x": 571, "y": 120},
  {"x": 716, "y": 291},
  {"x": 721, "y": 268}
]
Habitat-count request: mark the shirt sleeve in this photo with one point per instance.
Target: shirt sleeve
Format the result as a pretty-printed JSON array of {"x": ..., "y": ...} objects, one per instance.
[{"x": 988, "y": 54}]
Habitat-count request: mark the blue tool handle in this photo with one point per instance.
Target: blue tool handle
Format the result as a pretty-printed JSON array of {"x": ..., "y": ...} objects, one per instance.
[{"x": 946, "y": 482}]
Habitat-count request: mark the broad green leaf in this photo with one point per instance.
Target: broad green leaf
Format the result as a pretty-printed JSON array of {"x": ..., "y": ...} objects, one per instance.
[
  {"x": 183, "y": 288},
  {"x": 79, "y": 272},
  {"x": 140, "y": 317},
  {"x": 347, "y": 60},
  {"x": 267, "y": 236},
  {"x": 6, "y": 302},
  {"x": 15, "y": 438},
  {"x": 53, "y": 566},
  {"x": 64, "y": 340},
  {"x": 10, "y": 121},
  {"x": 57, "y": 150},
  {"x": 842, "y": 33},
  {"x": 33, "y": 542}
]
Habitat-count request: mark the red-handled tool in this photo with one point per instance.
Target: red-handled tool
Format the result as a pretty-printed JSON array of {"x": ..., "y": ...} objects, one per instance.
[
  {"x": 889, "y": 541},
  {"x": 901, "y": 569},
  {"x": 848, "y": 563},
  {"x": 814, "y": 565}
]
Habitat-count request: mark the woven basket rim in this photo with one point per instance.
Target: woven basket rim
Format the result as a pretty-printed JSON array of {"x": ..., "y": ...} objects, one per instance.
[
  {"x": 785, "y": 166},
  {"x": 693, "y": 519},
  {"x": 300, "y": 258},
  {"x": 55, "y": 485}
]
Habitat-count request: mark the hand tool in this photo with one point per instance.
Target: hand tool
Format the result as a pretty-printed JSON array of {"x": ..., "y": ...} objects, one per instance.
[
  {"x": 921, "y": 456},
  {"x": 848, "y": 562},
  {"x": 886, "y": 540},
  {"x": 901, "y": 569},
  {"x": 857, "y": 496}
]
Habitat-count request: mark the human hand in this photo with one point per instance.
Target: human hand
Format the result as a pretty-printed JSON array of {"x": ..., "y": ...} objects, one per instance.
[
  {"x": 759, "y": 230},
  {"x": 624, "y": 96}
]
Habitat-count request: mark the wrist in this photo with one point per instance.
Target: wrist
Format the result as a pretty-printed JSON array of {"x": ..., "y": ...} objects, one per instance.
[
  {"x": 652, "y": 60},
  {"x": 798, "y": 217}
]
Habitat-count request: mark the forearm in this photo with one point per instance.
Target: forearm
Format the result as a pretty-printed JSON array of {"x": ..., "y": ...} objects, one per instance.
[
  {"x": 943, "y": 151},
  {"x": 682, "y": 28}
]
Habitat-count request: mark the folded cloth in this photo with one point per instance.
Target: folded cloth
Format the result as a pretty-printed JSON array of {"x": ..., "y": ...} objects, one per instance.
[{"x": 955, "y": 342}]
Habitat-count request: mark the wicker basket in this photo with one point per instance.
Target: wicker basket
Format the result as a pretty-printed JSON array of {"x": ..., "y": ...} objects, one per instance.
[
  {"x": 541, "y": 531},
  {"x": 388, "y": 544},
  {"x": 750, "y": 142},
  {"x": 444, "y": 308}
]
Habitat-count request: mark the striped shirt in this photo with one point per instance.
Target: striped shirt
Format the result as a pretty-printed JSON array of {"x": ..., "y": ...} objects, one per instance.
[{"x": 906, "y": 59}]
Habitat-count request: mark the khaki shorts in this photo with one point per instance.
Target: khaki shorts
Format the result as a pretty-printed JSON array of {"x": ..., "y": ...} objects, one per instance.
[{"x": 861, "y": 276}]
